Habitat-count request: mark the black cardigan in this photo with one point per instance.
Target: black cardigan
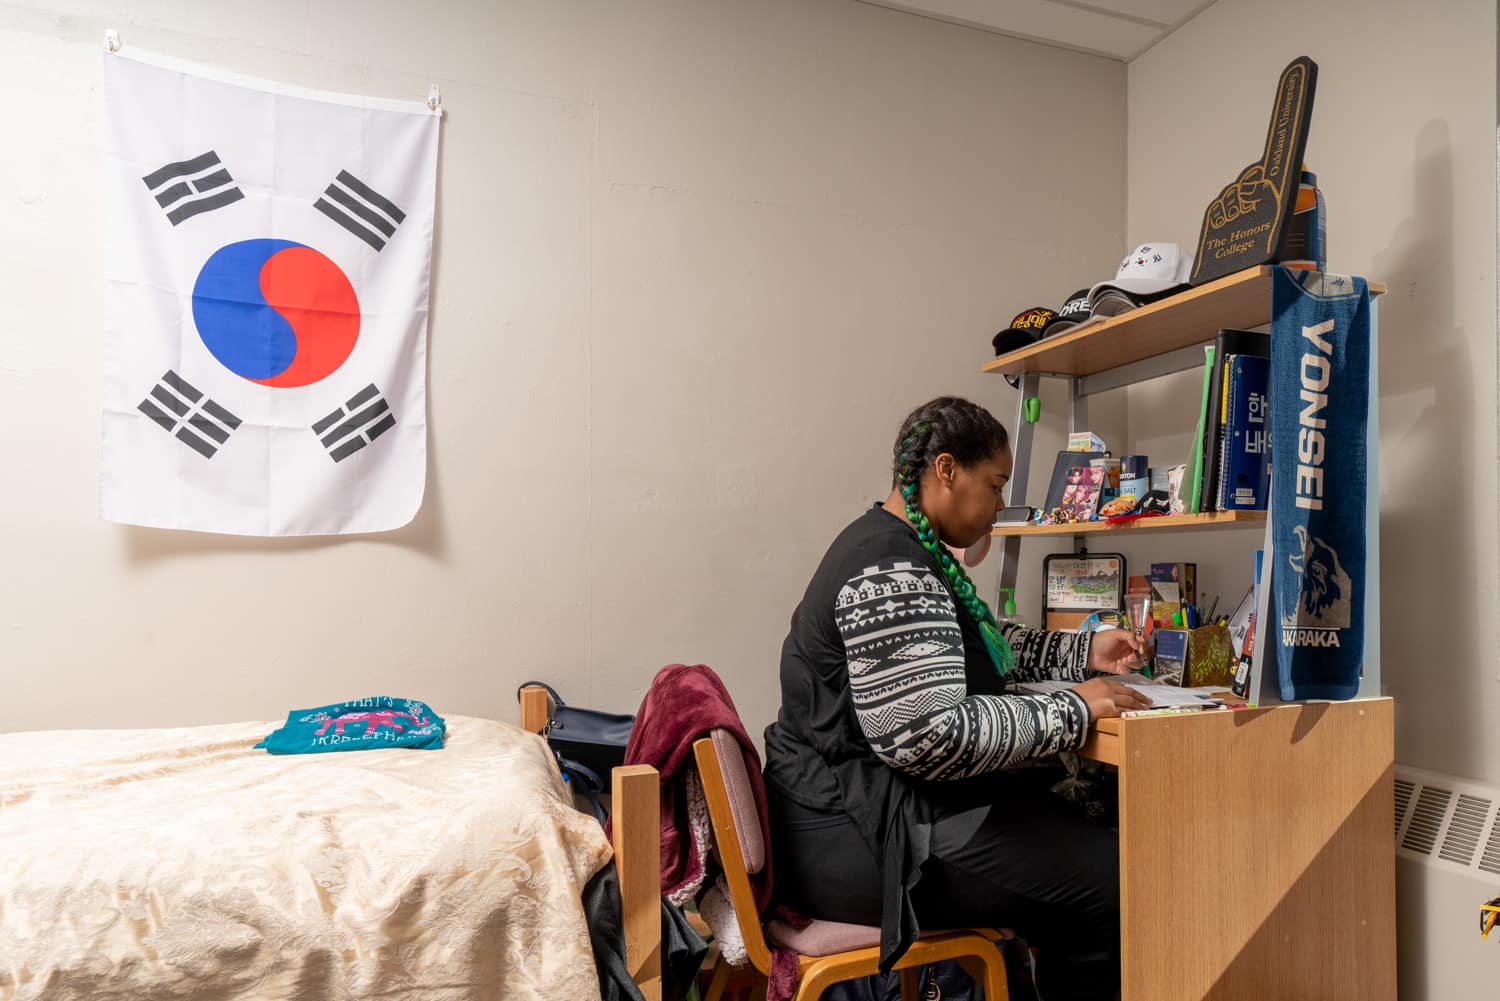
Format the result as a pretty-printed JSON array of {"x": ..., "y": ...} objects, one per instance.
[{"x": 816, "y": 752}]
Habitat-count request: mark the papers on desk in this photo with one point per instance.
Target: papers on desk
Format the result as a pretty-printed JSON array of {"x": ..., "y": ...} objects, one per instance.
[{"x": 1161, "y": 696}]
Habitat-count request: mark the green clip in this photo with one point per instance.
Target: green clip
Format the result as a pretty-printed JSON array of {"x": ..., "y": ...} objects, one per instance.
[{"x": 1033, "y": 409}]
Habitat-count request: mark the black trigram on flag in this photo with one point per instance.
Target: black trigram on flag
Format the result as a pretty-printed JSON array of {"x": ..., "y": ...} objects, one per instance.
[
  {"x": 360, "y": 209},
  {"x": 354, "y": 425},
  {"x": 188, "y": 415},
  {"x": 190, "y": 187}
]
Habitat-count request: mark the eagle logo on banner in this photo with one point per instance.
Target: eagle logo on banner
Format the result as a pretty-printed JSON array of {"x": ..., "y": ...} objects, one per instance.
[{"x": 267, "y": 281}]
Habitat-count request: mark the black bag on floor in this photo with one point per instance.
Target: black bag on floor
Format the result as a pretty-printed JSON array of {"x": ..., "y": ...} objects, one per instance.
[
  {"x": 944, "y": 981},
  {"x": 590, "y": 737},
  {"x": 589, "y": 743}
]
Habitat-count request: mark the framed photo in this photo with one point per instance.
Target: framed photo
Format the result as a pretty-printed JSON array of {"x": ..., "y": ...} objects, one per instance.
[{"x": 1080, "y": 584}]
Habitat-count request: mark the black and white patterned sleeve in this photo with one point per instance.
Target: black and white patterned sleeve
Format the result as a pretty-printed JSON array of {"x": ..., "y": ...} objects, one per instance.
[
  {"x": 1048, "y": 655},
  {"x": 906, "y": 674}
]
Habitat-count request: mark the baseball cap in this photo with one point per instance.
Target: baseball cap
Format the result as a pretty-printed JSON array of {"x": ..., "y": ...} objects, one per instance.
[
  {"x": 1149, "y": 272},
  {"x": 1027, "y": 327},
  {"x": 1074, "y": 313}
]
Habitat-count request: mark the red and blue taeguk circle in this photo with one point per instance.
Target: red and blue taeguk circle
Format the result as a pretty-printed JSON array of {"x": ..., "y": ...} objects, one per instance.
[{"x": 276, "y": 312}]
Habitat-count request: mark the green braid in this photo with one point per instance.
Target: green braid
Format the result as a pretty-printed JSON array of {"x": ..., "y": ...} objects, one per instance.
[{"x": 908, "y": 469}]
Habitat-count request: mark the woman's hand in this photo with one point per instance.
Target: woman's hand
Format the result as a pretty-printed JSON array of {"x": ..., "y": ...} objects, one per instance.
[
  {"x": 1107, "y": 697},
  {"x": 1116, "y": 651}
]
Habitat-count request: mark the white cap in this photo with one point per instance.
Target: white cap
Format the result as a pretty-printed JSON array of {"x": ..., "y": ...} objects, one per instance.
[{"x": 1149, "y": 269}]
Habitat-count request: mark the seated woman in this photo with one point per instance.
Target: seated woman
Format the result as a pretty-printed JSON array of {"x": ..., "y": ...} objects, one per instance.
[{"x": 887, "y": 768}]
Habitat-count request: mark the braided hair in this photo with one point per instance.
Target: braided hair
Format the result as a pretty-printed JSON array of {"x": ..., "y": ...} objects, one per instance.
[{"x": 970, "y": 434}]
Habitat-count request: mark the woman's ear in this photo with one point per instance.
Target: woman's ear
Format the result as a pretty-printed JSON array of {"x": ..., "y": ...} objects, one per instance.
[{"x": 945, "y": 467}]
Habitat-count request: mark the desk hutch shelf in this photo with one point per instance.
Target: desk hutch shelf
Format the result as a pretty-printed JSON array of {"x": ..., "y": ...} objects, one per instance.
[
  {"x": 1257, "y": 847},
  {"x": 1147, "y": 343}
]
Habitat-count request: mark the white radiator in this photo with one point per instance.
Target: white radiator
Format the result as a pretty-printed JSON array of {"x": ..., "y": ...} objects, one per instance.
[{"x": 1447, "y": 865}]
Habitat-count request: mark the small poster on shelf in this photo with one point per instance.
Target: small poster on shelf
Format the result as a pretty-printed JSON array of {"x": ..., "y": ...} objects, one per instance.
[
  {"x": 1080, "y": 499},
  {"x": 1081, "y": 584}
]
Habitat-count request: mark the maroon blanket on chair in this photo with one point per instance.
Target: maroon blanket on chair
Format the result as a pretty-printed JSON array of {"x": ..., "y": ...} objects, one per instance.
[{"x": 685, "y": 703}]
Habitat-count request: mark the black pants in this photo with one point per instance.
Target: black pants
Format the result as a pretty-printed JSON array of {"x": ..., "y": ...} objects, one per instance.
[{"x": 1005, "y": 853}]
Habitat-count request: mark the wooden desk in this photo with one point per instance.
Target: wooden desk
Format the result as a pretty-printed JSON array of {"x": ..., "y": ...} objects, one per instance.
[{"x": 1257, "y": 852}]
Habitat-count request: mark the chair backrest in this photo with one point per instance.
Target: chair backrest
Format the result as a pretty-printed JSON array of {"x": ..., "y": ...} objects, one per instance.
[
  {"x": 731, "y": 811},
  {"x": 747, "y": 823}
]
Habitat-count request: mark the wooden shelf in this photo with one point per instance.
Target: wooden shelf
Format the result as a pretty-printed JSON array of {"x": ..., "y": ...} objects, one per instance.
[
  {"x": 1168, "y": 523},
  {"x": 1241, "y": 300}
]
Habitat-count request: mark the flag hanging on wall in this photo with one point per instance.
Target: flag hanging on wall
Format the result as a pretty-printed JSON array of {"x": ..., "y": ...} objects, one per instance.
[{"x": 266, "y": 280}]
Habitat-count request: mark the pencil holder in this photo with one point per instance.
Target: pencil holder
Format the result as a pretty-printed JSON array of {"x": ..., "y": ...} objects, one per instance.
[{"x": 1210, "y": 657}]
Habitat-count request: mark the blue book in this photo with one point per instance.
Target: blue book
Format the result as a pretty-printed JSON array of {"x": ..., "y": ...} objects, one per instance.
[{"x": 1245, "y": 483}]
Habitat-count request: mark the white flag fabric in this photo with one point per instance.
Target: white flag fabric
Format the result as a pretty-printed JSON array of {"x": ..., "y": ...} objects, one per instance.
[{"x": 266, "y": 293}]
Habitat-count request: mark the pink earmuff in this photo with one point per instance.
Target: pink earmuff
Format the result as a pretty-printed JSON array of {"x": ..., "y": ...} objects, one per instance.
[{"x": 974, "y": 555}]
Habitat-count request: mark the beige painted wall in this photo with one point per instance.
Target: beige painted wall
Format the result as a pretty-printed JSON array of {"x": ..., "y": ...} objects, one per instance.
[
  {"x": 1403, "y": 143},
  {"x": 694, "y": 262}
]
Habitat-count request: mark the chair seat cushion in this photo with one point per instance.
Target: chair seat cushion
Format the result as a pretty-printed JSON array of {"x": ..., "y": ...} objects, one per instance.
[
  {"x": 822, "y": 938},
  {"x": 825, "y": 938}
]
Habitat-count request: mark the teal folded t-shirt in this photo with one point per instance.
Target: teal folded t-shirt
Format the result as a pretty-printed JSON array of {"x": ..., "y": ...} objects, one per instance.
[{"x": 358, "y": 725}]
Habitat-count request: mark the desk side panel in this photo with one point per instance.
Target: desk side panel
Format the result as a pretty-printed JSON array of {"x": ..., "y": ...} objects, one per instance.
[{"x": 1258, "y": 854}]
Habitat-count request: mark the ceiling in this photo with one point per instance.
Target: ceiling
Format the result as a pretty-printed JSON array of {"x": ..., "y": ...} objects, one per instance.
[{"x": 1118, "y": 29}]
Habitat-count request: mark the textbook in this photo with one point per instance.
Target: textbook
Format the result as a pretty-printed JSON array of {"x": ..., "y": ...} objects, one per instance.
[
  {"x": 1226, "y": 343},
  {"x": 1245, "y": 463},
  {"x": 1195, "y": 461}
]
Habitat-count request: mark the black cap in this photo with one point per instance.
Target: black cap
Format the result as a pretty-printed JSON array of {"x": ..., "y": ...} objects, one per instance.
[{"x": 1026, "y": 328}]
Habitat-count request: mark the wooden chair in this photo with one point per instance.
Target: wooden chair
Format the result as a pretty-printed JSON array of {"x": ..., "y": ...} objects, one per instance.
[{"x": 829, "y": 951}]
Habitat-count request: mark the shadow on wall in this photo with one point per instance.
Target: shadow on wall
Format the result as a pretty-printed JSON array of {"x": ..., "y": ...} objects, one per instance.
[
  {"x": 1427, "y": 500},
  {"x": 425, "y": 533}
]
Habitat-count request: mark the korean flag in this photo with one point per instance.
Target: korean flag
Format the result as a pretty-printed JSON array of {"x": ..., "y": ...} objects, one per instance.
[{"x": 266, "y": 290}]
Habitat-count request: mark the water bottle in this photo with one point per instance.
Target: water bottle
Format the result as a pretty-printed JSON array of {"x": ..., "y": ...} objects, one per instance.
[
  {"x": 1305, "y": 245},
  {"x": 1007, "y": 606}
]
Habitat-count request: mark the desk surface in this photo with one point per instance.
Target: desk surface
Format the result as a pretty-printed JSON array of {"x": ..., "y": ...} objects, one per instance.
[{"x": 1257, "y": 852}]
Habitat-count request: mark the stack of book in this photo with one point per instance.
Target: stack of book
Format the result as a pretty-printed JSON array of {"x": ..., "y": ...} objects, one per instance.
[{"x": 1230, "y": 466}]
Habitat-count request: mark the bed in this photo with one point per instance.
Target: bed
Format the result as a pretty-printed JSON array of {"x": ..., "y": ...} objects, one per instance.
[{"x": 183, "y": 863}]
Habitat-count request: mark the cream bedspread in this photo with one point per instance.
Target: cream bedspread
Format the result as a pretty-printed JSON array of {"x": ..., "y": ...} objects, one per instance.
[{"x": 182, "y": 863}]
